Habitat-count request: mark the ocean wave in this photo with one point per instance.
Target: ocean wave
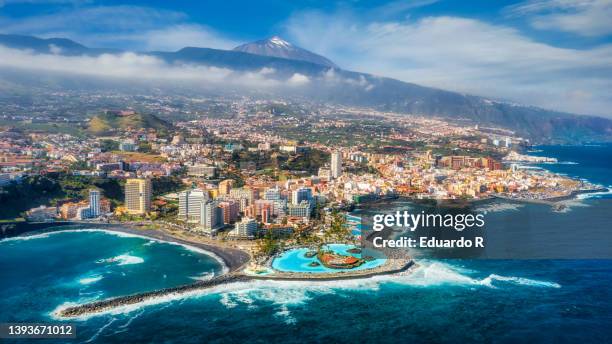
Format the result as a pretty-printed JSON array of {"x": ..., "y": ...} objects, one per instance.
[
  {"x": 27, "y": 237},
  {"x": 122, "y": 259},
  {"x": 205, "y": 276},
  {"x": 90, "y": 280},
  {"x": 601, "y": 194},
  {"x": 498, "y": 207},
  {"x": 293, "y": 293},
  {"x": 224, "y": 268},
  {"x": 100, "y": 330},
  {"x": 489, "y": 280}
]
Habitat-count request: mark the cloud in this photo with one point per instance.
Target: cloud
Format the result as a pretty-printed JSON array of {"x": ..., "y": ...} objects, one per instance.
[
  {"x": 298, "y": 79},
  {"x": 134, "y": 28},
  {"x": 464, "y": 55},
  {"x": 130, "y": 66},
  {"x": 583, "y": 17}
]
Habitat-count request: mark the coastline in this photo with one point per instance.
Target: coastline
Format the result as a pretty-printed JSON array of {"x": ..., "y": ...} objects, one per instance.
[
  {"x": 234, "y": 261},
  {"x": 231, "y": 259}
]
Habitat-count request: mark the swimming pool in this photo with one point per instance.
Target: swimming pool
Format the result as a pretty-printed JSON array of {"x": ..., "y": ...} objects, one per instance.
[{"x": 295, "y": 260}]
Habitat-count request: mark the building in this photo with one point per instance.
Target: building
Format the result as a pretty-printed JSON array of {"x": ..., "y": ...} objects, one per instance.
[
  {"x": 247, "y": 228},
  {"x": 244, "y": 197},
  {"x": 138, "y": 196},
  {"x": 211, "y": 217},
  {"x": 272, "y": 194},
  {"x": 225, "y": 186},
  {"x": 299, "y": 210},
  {"x": 94, "y": 203},
  {"x": 230, "y": 211},
  {"x": 301, "y": 194},
  {"x": 190, "y": 205},
  {"x": 336, "y": 164},
  {"x": 127, "y": 146},
  {"x": 201, "y": 170}
]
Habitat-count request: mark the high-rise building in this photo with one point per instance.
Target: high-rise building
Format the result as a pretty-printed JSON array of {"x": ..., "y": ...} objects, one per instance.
[
  {"x": 301, "y": 194},
  {"x": 190, "y": 204},
  {"x": 138, "y": 196},
  {"x": 94, "y": 203},
  {"x": 336, "y": 164},
  {"x": 247, "y": 228},
  {"x": 272, "y": 194},
  {"x": 211, "y": 218},
  {"x": 230, "y": 211},
  {"x": 225, "y": 186}
]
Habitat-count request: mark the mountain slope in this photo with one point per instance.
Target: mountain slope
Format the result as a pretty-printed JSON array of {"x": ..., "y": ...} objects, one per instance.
[
  {"x": 334, "y": 85},
  {"x": 278, "y": 47},
  {"x": 108, "y": 121}
]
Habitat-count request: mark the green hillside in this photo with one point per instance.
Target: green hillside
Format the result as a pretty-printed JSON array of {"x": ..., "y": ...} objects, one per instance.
[{"x": 109, "y": 121}]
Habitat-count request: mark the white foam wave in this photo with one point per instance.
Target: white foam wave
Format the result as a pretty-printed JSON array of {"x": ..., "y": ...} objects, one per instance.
[
  {"x": 224, "y": 268},
  {"x": 90, "y": 280},
  {"x": 100, "y": 330},
  {"x": 123, "y": 259},
  {"x": 292, "y": 293},
  {"x": 499, "y": 207},
  {"x": 488, "y": 281},
  {"x": 27, "y": 237},
  {"x": 601, "y": 194},
  {"x": 205, "y": 276}
]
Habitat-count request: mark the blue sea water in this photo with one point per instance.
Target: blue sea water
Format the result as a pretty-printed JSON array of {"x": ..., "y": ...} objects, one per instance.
[{"x": 500, "y": 301}]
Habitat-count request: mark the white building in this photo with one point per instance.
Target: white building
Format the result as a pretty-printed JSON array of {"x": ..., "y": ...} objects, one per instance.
[
  {"x": 247, "y": 228},
  {"x": 336, "y": 164},
  {"x": 211, "y": 217},
  {"x": 190, "y": 205}
]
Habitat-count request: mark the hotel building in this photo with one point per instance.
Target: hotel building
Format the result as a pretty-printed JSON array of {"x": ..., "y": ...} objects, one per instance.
[{"x": 138, "y": 196}]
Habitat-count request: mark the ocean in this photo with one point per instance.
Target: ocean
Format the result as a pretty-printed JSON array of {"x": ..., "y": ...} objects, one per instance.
[{"x": 502, "y": 301}]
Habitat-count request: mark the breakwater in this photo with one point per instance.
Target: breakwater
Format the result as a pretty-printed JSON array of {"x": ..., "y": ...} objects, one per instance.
[
  {"x": 122, "y": 301},
  {"x": 103, "y": 306}
]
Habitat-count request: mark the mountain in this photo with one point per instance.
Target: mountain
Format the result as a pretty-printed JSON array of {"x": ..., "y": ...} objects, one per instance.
[
  {"x": 333, "y": 85},
  {"x": 61, "y": 46},
  {"x": 278, "y": 47},
  {"x": 107, "y": 121}
]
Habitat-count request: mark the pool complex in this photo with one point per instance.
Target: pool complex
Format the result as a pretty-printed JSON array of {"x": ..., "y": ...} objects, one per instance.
[{"x": 295, "y": 260}]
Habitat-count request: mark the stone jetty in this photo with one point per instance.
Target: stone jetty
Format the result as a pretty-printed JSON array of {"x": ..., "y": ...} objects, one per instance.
[{"x": 108, "y": 304}]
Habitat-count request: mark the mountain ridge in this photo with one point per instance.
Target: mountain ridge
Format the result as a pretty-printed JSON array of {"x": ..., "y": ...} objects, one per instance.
[{"x": 361, "y": 89}]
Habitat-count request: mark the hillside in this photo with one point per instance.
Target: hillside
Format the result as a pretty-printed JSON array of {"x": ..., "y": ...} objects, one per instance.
[
  {"x": 108, "y": 121},
  {"x": 327, "y": 84}
]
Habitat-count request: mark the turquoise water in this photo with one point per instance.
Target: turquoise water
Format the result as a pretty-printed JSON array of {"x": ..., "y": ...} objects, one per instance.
[
  {"x": 295, "y": 260},
  {"x": 41, "y": 272}
]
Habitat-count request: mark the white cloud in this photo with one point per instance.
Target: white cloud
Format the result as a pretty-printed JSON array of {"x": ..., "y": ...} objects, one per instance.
[
  {"x": 583, "y": 17},
  {"x": 133, "y": 28},
  {"x": 464, "y": 55},
  {"x": 136, "y": 67},
  {"x": 298, "y": 79}
]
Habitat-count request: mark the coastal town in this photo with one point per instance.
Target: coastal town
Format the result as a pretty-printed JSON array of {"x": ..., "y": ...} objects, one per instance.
[
  {"x": 269, "y": 188},
  {"x": 265, "y": 169}
]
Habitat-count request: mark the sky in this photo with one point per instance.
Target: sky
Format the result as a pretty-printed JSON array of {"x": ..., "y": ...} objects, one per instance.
[{"x": 555, "y": 54}]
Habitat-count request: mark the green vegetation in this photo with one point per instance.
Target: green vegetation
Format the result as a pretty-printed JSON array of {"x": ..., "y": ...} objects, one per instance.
[
  {"x": 37, "y": 190},
  {"x": 309, "y": 161},
  {"x": 164, "y": 185},
  {"x": 49, "y": 189},
  {"x": 105, "y": 123}
]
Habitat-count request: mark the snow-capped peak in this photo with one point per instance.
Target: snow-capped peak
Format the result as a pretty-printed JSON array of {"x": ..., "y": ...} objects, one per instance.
[{"x": 279, "y": 41}]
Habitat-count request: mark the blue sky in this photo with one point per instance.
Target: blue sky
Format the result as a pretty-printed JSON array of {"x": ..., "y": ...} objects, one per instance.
[{"x": 551, "y": 53}]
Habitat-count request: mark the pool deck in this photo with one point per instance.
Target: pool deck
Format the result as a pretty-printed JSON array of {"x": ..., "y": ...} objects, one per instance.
[{"x": 391, "y": 266}]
